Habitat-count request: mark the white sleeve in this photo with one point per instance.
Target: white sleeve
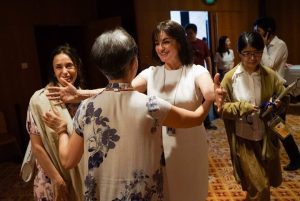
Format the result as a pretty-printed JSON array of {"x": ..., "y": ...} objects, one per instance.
[
  {"x": 145, "y": 73},
  {"x": 199, "y": 70}
]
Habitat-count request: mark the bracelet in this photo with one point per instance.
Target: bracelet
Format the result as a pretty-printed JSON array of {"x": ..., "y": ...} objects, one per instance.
[{"x": 61, "y": 131}]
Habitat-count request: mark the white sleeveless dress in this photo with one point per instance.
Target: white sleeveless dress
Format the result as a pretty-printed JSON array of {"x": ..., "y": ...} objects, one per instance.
[{"x": 186, "y": 151}]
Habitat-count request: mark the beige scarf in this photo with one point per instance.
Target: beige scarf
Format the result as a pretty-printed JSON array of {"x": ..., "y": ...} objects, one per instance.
[{"x": 39, "y": 105}]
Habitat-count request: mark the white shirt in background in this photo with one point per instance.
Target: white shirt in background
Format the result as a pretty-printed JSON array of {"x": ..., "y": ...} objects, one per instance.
[
  {"x": 226, "y": 62},
  {"x": 275, "y": 55}
]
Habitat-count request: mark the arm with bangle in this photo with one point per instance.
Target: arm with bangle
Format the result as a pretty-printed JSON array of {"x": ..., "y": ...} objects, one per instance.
[{"x": 68, "y": 156}]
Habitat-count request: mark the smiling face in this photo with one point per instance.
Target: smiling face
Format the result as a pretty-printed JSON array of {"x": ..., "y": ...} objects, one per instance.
[
  {"x": 64, "y": 68},
  {"x": 167, "y": 50},
  {"x": 250, "y": 58}
]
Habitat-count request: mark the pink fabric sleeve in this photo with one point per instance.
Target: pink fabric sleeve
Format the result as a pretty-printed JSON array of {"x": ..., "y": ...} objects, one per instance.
[{"x": 30, "y": 124}]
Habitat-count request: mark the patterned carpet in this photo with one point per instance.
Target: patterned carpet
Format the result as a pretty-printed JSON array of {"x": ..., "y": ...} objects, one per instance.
[{"x": 222, "y": 186}]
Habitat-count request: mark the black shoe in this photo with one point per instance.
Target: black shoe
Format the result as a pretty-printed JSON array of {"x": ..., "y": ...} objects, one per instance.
[
  {"x": 211, "y": 127},
  {"x": 292, "y": 166}
]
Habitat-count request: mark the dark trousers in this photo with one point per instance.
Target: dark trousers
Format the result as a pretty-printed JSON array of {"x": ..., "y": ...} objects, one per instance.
[
  {"x": 207, "y": 122},
  {"x": 291, "y": 148}
]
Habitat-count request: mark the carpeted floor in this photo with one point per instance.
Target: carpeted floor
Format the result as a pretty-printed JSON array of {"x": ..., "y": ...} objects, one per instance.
[
  {"x": 222, "y": 186},
  {"x": 12, "y": 188}
]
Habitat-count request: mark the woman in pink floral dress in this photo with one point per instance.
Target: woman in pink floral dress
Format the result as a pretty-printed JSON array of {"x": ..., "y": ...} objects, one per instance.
[{"x": 52, "y": 181}]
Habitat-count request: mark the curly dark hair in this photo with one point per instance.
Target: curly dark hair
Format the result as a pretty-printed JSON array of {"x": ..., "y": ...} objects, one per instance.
[{"x": 72, "y": 53}]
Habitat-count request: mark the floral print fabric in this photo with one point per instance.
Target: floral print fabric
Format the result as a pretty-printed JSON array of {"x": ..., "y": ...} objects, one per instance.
[
  {"x": 42, "y": 188},
  {"x": 122, "y": 156}
]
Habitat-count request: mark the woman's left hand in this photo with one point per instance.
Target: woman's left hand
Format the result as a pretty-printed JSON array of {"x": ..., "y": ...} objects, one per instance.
[
  {"x": 219, "y": 93},
  {"x": 55, "y": 122},
  {"x": 65, "y": 94}
]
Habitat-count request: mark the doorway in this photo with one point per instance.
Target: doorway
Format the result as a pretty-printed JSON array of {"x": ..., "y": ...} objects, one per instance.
[{"x": 199, "y": 18}]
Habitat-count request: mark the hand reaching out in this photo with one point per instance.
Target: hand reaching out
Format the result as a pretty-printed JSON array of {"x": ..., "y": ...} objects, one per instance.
[
  {"x": 65, "y": 94},
  {"x": 219, "y": 93}
]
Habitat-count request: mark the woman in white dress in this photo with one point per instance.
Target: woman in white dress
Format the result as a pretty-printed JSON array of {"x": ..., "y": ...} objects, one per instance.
[
  {"x": 224, "y": 58},
  {"x": 181, "y": 83},
  {"x": 118, "y": 131}
]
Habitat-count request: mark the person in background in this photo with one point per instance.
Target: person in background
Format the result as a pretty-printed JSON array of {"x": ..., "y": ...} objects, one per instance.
[
  {"x": 201, "y": 56},
  {"x": 254, "y": 147},
  {"x": 118, "y": 131},
  {"x": 224, "y": 58},
  {"x": 52, "y": 181},
  {"x": 275, "y": 56},
  {"x": 275, "y": 51}
]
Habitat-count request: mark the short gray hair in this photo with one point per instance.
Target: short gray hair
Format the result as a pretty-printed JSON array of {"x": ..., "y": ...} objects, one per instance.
[{"x": 113, "y": 51}]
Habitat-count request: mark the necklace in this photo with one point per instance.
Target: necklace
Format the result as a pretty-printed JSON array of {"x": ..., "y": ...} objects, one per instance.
[
  {"x": 172, "y": 131},
  {"x": 119, "y": 87},
  {"x": 176, "y": 87}
]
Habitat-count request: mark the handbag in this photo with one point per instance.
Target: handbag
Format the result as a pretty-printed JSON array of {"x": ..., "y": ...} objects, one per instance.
[
  {"x": 28, "y": 165},
  {"x": 279, "y": 127}
]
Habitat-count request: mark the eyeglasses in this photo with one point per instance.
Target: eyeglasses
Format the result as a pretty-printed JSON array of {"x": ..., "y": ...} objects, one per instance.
[{"x": 249, "y": 54}]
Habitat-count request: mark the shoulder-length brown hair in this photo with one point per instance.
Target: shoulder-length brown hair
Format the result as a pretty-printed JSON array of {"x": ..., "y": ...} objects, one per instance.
[{"x": 177, "y": 32}]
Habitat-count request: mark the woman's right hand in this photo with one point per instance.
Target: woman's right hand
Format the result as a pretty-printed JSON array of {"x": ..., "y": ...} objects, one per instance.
[
  {"x": 219, "y": 93},
  {"x": 60, "y": 190},
  {"x": 54, "y": 121}
]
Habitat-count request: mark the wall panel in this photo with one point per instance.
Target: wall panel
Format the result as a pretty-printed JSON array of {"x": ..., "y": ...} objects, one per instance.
[
  {"x": 286, "y": 14},
  {"x": 18, "y": 45}
]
